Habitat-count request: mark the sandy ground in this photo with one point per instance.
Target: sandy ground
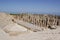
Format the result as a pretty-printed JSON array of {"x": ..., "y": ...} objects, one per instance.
[
  {"x": 15, "y": 29},
  {"x": 41, "y": 35},
  {"x": 3, "y": 35}
]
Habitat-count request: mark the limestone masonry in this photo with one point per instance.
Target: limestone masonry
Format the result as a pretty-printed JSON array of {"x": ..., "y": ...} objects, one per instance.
[{"x": 41, "y": 20}]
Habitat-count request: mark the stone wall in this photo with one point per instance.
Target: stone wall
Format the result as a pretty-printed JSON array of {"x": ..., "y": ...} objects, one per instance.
[{"x": 42, "y": 20}]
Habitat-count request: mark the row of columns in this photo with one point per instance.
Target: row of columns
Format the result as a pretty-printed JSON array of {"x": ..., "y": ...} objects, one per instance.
[{"x": 42, "y": 21}]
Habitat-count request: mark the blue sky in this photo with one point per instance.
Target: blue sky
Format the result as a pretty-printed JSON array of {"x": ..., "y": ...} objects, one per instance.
[{"x": 38, "y": 6}]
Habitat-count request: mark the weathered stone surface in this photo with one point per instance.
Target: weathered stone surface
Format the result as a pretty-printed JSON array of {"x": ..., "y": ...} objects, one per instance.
[
  {"x": 42, "y": 20},
  {"x": 5, "y": 19}
]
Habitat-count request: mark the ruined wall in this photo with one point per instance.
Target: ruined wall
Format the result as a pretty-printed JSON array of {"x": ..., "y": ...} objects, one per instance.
[{"x": 39, "y": 19}]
